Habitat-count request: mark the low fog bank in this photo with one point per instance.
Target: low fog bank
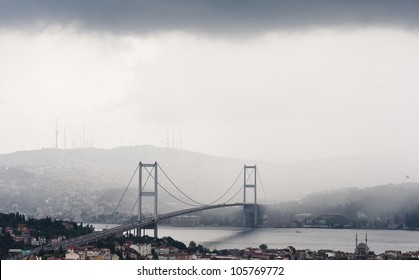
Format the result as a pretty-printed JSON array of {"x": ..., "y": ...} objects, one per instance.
[{"x": 91, "y": 181}]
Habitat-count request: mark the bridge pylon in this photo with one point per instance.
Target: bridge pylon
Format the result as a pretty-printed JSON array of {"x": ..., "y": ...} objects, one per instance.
[
  {"x": 146, "y": 191},
  {"x": 250, "y": 203}
]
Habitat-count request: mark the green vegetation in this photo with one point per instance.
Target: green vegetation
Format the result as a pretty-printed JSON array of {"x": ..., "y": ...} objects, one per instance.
[
  {"x": 412, "y": 218},
  {"x": 381, "y": 207},
  {"x": 165, "y": 241},
  {"x": 22, "y": 230}
]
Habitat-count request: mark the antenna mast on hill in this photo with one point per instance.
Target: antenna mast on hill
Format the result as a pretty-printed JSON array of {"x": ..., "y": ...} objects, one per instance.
[
  {"x": 56, "y": 133},
  {"x": 65, "y": 139},
  {"x": 180, "y": 140}
]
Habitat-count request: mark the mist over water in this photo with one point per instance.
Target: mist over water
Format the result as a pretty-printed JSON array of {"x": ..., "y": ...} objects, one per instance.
[
  {"x": 320, "y": 97},
  {"x": 314, "y": 239}
]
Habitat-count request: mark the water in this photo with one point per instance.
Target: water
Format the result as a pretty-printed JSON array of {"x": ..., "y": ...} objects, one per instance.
[{"x": 303, "y": 238}]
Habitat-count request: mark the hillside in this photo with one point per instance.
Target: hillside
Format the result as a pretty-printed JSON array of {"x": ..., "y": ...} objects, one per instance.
[
  {"x": 380, "y": 206},
  {"x": 37, "y": 182}
]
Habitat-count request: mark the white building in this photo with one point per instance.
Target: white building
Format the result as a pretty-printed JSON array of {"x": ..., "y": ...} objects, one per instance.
[
  {"x": 142, "y": 249},
  {"x": 71, "y": 255}
]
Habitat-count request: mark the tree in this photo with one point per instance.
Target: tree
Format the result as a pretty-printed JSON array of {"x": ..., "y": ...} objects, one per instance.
[
  {"x": 412, "y": 218},
  {"x": 192, "y": 247},
  {"x": 263, "y": 246},
  {"x": 200, "y": 248}
]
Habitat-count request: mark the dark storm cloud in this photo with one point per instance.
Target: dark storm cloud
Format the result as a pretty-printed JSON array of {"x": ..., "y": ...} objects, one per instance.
[{"x": 208, "y": 16}]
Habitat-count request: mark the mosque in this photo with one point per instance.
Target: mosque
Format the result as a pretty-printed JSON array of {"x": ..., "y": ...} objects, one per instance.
[{"x": 361, "y": 249}]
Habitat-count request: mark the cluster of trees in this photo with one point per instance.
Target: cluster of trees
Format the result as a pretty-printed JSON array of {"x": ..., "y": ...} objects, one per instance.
[
  {"x": 47, "y": 227},
  {"x": 165, "y": 241},
  {"x": 6, "y": 242},
  {"x": 380, "y": 207},
  {"x": 412, "y": 218},
  {"x": 11, "y": 219}
]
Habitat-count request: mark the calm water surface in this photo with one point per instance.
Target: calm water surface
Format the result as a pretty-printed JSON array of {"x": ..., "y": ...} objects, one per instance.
[{"x": 304, "y": 238}]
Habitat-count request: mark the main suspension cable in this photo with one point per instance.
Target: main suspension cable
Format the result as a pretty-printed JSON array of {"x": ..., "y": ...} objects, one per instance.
[
  {"x": 178, "y": 199},
  {"x": 132, "y": 177},
  {"x": 238, "y": 176},
  {"x": 138, "y": 197},
  {"x": 242, "y": 187},
  {"x": 170, "y": 180},
  {"x": 263, "y": 189}
]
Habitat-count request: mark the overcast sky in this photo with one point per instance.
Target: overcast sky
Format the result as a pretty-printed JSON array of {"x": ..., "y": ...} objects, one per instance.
[{"x": 268, "y": 80}]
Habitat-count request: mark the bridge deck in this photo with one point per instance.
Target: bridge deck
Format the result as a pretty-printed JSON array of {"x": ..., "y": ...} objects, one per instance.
[{"x": 95, "y": 236}]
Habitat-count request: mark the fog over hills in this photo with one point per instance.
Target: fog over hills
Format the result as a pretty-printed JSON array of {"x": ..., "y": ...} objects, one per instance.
[
  {"x": 78, "y": 184},
  {"x": 196, "y": 173}
]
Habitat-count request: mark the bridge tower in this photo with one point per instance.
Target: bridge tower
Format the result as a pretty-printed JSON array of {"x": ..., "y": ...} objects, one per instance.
[
  {"x": 145, "y": 190},
  {"x": 250, "y": 206}
]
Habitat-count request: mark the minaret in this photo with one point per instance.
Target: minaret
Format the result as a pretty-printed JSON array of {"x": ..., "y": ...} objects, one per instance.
[
  {"x": 366, "y": 243},
  {"x": 356, "y": 243}
]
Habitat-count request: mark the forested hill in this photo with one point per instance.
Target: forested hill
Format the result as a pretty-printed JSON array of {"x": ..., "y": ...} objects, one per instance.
[
  {"x": 393, "y": 203},
  {"x": 88, "y": 182}
]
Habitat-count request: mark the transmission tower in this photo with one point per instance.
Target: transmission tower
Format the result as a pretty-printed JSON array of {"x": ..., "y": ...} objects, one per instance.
[
  {"x": 151, "y": 170},
  {"x": 250, "y": 205}
]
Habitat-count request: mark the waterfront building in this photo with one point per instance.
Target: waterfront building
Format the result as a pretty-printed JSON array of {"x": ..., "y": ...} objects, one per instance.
[
  {"x": 361, "y": 249},
  {"x": 72, "y": 255},
  {"x": 142, "y": 249},
  {"x": 186, "y": 220}
]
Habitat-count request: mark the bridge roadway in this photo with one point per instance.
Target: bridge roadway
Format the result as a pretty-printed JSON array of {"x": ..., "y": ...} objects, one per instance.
[{"x": 95, "y": 236}]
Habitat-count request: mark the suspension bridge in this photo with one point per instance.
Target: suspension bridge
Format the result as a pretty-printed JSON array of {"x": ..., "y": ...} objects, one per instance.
[{"x": 148, "y": 203}]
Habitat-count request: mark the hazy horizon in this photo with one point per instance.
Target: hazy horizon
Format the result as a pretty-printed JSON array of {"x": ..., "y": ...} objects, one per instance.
[
  {"x": 248, "y": 161},
  {"x": 268, "y": 80}
]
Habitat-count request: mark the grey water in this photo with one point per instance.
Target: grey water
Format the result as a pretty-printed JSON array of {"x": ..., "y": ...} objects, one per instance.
[{"x": 379, "y": 241}]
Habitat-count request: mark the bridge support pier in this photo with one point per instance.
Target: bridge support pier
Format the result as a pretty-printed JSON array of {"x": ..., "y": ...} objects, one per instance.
[
  {"x": 250, "y": 216},
  {"x": 143, "y": 191}
]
